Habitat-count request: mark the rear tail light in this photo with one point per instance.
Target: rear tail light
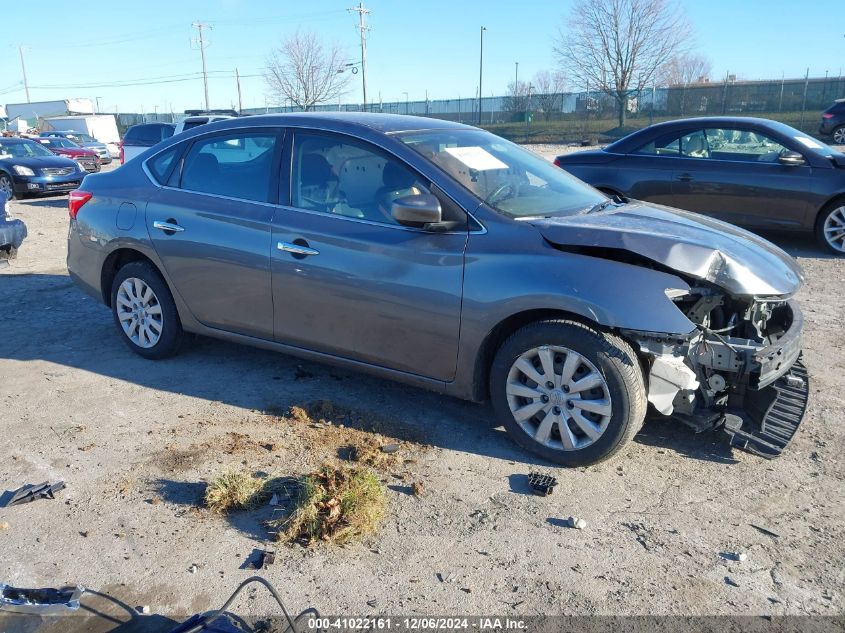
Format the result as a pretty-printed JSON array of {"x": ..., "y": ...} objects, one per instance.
[
  {"x": 76, "y": 200},
  {"x": 557, "y": 161},
  {"x": 121, "y": 152},
  {"x": 827, "y": 115}
]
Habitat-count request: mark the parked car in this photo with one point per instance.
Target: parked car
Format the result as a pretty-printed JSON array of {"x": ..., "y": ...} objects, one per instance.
[
  {"x": 833, "y": 122},
  {"x": 752, "y": 172},
  {"x": 443, "y": 256},
  {"x": 85, "y": 140},
  {"x": 29, "y": 168},
  {"x": 141, "y": 137},
  {"x": 201, "y": 117},
  {"x": 87, "y": 158},
  {"x": 12, "y": 231}
]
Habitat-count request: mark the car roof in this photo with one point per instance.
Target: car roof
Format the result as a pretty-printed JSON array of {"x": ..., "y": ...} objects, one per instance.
[
  {"x": 635, "y": 139},
  {"x": 348, "y": 121},
  {"x": 12, "y": 140}
]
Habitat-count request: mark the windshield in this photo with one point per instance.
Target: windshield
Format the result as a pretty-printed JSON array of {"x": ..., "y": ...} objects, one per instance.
[
  {"x": 85, "y": 138},
  {"x": 25, "y": 149},
  {"x": 512, "y": 180}
]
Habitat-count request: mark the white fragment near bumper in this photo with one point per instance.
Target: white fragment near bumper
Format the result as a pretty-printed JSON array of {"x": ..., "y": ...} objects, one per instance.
[{"x": 669, "y": 375}]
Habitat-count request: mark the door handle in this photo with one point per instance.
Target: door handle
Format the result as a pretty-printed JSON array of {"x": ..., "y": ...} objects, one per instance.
[
  {"x": 297, "y": 249},
  {"x": 683, "y": 177},
  {"x": 168, "y": 227}
]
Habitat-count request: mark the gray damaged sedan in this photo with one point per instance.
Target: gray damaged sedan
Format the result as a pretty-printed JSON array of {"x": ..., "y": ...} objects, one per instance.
[{"x": 442, "y": 256}]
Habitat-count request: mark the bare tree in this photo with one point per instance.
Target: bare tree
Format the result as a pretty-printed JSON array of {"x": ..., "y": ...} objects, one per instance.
[
  {"x": 549, "y": 87},
  {"x": 516, "y": 99},
  {"x": 620, "y": 46},
  {"x": 686, "y": 69},
  {"x": 306, "y": 72}
]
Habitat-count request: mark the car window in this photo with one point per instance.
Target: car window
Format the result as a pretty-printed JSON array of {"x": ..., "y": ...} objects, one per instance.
[
  {"x": 339, "y": 175},
  {"x": 143, "y": 134},
  {"x": 237, "y": 165},
  {"x": 159, "y": 165},
  {"x": 665, "y": 146},
  {"x": 25, "y": 149},
  {"x": 742, "y": 145}
]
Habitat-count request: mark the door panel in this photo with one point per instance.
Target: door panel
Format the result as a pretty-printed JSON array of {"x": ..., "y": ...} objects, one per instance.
[
  {"x": 747, "y": 193},
  {"x": 220, "y": 263},
  {"x": 376, "y": 293}
]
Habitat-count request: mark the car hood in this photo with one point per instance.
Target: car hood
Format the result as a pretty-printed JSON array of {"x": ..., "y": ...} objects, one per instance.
[
  {"x": 737, "y": 261},
  {"x": 69, "y": 151},
  {"x": 38, "y": 162}
]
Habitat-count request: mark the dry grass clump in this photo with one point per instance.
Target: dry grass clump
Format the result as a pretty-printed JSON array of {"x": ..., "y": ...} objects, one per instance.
[
  {"x": 235, "y": 490},
  {"x": 369, "y": 450},
  {"x": 335, "y": 505}
]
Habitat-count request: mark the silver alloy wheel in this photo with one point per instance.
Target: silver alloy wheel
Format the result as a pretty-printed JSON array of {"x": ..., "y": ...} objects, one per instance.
[
  {"x": 839, "y": 136},
  {"x": 558, "y": 397},
  {"x": 6, "y": 185},
  {"x": 834, "y": 229},
  {"x": 139, "y": 312}
]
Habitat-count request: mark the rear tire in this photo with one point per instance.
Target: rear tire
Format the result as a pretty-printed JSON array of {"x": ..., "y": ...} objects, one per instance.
[
  {"x": 144, "y": 311},
  {"x": 830, "y": 227},
  {"x": 586, "y": 425}
]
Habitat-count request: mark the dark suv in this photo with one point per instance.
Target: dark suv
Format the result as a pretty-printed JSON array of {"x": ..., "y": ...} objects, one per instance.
[
  {"x": 833, "y": 122},
  {"x": 140, "y": 137}
]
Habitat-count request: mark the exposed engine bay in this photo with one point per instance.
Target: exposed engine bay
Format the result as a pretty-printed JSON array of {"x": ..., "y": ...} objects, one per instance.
[{"x": 739, "y": 368}]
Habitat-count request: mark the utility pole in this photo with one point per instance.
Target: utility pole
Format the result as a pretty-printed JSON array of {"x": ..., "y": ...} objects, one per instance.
[
  {"x": 516, "y": 79},
  {"x": 362, "y": 25},
  {"x": 240, "y": 103},
  {"x": 480, "y": 71},
  {"x": 201, "y": 43},
  {"x": 23, "y": 68}
]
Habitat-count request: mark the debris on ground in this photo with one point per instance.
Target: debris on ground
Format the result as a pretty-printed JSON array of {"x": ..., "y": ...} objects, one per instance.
[
  {"x": 390, "y": 448},
  {"x": 193, "y": 568},
  {"x": 336, "y": 505},
  {"x": 143, "y": 609},
  {"x": 574, "y": 522},
  {"x": 45, "y": 601},
  {"x": 368, "y": 450},
  {"x": 4, "y": 525},
  {"x": 730, "y": 581},
  {"x": 264, "y": 559},
  {"x": 30, "y": 492},
  {"x": 765, "y": 531},
  {"x": 417, "y": 488},
  {"x": 541, "y": 485}
]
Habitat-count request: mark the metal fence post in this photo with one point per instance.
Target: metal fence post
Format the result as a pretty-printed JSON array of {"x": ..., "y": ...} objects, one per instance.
[{"x": 804, "y": 100}]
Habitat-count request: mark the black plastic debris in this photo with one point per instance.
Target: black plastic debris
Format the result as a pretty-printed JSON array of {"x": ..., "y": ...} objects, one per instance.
[
  {"x": 540, "y": 484},
  {"x": 31, "y": 492},
  {"x": 265, "y": 558},
  {"x": 46, "y": 601}
]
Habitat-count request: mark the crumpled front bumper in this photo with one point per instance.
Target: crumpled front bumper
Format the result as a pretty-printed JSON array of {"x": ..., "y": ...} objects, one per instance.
[{"x": 12, "y": 233}]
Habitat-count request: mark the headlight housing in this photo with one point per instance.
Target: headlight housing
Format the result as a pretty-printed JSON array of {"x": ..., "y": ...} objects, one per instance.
[
  {"x": 20, "y": 170},
  {"x": 81, "y": 166}
]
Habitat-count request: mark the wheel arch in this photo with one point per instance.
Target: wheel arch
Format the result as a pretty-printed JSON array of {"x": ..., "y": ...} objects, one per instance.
[
  {"x": 114, "y": 262},
  {"x": 834, "y": 199},
  {"x": 501, "y": 332}
]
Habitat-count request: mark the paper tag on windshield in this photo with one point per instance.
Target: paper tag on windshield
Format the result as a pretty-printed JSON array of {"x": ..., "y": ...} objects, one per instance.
[
  {"x": 476, "y": 158},
  {"x": 808, "y": 142}
]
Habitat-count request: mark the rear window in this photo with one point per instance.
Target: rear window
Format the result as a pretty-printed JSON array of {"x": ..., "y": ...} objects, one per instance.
[
  {"x": 147, "y": 134},
  {"x": 837, "y": 107}
]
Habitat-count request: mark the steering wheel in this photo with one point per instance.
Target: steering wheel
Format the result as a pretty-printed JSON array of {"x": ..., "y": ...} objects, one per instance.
[{"x": 499, "y": 193}]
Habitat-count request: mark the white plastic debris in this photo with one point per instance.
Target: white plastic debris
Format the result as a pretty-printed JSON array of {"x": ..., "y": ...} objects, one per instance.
[
  {"x": 145, "y": 609},
  {"x": 578, "y": 524},
  {"x": 193, "y": 569},
  {"x": 740, "y": 556}
]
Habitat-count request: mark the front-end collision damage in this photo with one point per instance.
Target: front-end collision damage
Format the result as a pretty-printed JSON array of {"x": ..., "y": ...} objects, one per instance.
[{"x": 739, "y": 369}]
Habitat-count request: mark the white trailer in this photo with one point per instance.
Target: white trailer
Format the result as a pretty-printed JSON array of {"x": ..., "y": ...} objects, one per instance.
[
  {"x": 101, "y": 126},
  {"x": 36, "y": 110}
]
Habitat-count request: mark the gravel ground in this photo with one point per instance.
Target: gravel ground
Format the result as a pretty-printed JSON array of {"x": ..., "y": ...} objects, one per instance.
[{"x": 136, "y": 440}]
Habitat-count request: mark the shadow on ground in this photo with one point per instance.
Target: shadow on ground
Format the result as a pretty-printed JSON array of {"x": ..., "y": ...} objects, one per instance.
[{"x": 47, "y": 319}]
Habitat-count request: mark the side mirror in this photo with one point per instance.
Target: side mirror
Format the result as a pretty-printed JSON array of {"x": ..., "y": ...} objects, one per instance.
[
  {"x": 791, "y": 159},
  {"x": 417, "y": 210}
]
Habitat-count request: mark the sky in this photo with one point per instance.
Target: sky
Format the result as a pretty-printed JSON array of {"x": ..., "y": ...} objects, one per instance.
[{"x": 422, "y": 47}]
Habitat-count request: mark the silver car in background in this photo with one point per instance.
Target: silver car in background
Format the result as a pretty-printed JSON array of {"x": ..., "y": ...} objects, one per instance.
[{"x": 445, "y": 257}]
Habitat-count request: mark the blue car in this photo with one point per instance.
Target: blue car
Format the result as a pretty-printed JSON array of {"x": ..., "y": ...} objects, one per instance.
[{"x": 29, "y": 168}]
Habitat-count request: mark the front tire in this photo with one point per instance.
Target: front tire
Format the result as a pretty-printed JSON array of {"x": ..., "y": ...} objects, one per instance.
[
  {"x": 830, "y": 227},
  {"x": 144, "y": 311},
  {"x": 839, "y": 135},
  {"x": 567, "y": 392},
  {"x": 7, "y": 186}
]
